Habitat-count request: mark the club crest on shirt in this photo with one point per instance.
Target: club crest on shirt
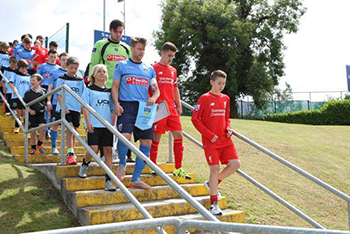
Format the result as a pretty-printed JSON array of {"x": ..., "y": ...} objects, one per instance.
[
  {"x": 93, "y": 50},
  {"x": 120, "y": 127},
  {"x": 212, "y": 104},
  {"x": 172, "y": 74},
  {"x": 225, "y": 104},
  {"x": 160, "y": 73},
  {"x": 116, "y": 49},
  {"x": 147, "y": 110},
  {"x": 196, "y": 107}
]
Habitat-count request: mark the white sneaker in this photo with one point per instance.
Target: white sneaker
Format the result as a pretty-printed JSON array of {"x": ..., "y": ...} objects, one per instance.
[
  {"x": 206, "y": 184},
  {"x": 55, "y": 151},
  {"x": 83, "y": 171},
  {"x": 109, "y": 186},
  {"x": 7, "y": 113},
  {"x": 215, "y": 209},
  {"x": 121, "y": 171},
  {"x": 115, "y": 157}
]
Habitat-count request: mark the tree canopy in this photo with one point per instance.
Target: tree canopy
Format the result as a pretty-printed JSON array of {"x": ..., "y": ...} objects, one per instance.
[{"x": 244, "y": 38}]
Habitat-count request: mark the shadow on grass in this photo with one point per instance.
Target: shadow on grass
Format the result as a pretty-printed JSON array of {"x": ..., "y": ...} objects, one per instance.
[{"x": 28, "y": 201}]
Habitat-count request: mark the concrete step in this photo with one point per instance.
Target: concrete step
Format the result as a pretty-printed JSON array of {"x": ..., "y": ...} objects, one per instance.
[
  {"x": 9, "y": 129},
  {"x": 20, "y": 136},
  {"x": 19, "y": 150},
  {"x": 127, "y": 212},
  {"x": 98, "y": 182},
  {"x": 45, "y": 158},
  {"x": 96, "y": 170}
]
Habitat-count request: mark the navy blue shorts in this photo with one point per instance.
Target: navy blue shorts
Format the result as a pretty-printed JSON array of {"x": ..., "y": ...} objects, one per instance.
[
  {"x": 126, "y": 122},
  {"x": 54, "y": 114}
]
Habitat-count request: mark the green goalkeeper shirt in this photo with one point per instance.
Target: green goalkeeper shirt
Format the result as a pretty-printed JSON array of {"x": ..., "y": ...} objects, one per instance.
[{"x": 109, "y": 53}]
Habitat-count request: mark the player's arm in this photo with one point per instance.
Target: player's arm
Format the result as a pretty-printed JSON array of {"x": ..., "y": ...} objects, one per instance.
[
  {"x": 95, "y": 56},
  {"x": 86, "y": 97},
  {"x": 229, "y": 131},
  {"x": 155, "y": 92},
  {"x": 197, "y": 121},
  {"x": 49, "y": 89},
  {"x": 11, "y": 84},
  {"x": 177, "y": 99}
]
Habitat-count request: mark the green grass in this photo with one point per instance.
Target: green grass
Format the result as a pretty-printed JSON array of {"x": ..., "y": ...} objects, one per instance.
[
  {"x": 322, "y": 151},
  {"x": 28, "y": 201}
]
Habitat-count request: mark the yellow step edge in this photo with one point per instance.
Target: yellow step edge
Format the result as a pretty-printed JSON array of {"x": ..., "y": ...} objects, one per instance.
[
  {"x": 172, "y": 207},
  {"x": 93, "y": 183},
  {"x": 44, "y": 158},
  {"x": 95, "y": 170},
  {"x": 98, "y": 198}
]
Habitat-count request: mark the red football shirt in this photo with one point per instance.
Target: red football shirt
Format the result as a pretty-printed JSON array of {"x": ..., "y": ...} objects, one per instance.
[
  {"x": 166, "y": 79},
  {"x": 211, "y": 118},
  {"x": 42, "y": 55}
]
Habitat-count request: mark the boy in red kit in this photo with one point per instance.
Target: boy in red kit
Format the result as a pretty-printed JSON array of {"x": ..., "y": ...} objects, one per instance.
[
  {"x": 169, "y": 91},
  {"x": 211, "y": 119}
]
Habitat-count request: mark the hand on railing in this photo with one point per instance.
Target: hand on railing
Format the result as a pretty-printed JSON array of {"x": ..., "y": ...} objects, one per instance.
[{"x": 229, "y": 132}]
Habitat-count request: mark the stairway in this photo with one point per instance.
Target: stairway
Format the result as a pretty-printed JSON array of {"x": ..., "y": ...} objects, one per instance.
[{"x": 89, "y": 202}]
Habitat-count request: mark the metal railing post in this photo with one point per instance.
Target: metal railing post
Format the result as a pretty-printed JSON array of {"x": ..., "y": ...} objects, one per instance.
[
  {"x": 170, "y": 145},
  {"x": 26, "y": 124},
  {"x": 63, "y": 127}
]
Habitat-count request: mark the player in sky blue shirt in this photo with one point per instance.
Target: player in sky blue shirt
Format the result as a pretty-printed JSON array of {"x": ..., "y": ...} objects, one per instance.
[
  {"x": 135, "y": 79},
  {"x": 46, "y": 69},
  {"x": 131, "y": 82},
  {"x": 55, "y": 74},
  {"x": 4, "y": 55},
  {"x": 21, "y": 82},
  {"x": 26, "y": 53},
  {"x": 77, "y": 85}
]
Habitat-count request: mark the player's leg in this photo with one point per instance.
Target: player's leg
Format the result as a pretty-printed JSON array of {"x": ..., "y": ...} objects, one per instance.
[
  {"x": 41, "y": 138},
  {"x": 229, "y": 157},
  {"x": 33, "y": 142},
  {"x": 54, "y": 130},
  {"x": 154, "y": 147},
  {"x": 145, "y": 147},
  {"x": 122, "y": 151}
]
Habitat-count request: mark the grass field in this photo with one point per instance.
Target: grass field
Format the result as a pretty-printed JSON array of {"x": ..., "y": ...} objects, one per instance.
[{"x": 28, "y": 202}]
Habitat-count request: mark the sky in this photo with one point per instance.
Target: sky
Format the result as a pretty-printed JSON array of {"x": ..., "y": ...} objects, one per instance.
[{"x": 315, "y": 57}]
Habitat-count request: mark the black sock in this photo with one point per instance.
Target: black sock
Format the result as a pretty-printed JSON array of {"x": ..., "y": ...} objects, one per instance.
[
  {"x": 107, "y": 178},
  {"x": 33, "y": 147},
  {"x": 86, "y": 163},
  {"x": 129, "y": 153},
  {"x": 40, "y": 143}
]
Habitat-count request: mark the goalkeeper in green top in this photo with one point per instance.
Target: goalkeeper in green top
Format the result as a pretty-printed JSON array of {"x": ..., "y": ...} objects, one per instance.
[{"x": 110, "y": 51}]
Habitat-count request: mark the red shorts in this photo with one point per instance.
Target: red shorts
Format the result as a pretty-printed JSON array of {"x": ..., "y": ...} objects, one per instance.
[
  {"x": 223, "y": 154},
  {"x": 170, "y": 123}
]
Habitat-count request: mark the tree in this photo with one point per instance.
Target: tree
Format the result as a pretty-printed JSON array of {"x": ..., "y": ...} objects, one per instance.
[{"x": 244, "y": 38}]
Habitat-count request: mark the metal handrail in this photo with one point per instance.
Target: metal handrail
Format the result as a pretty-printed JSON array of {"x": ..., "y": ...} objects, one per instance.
[
  {"x": 249, "y": 228},
  {"x": 117, "y": 227},
  {"x": 183, "y": 193},
  {"x": 284, "y": 162},
  {"x": 266, "y": 190}
]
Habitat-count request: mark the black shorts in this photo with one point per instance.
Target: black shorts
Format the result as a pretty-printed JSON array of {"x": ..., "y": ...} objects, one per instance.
[
  {"x": 101, "y": 137},
  {"x": 126, "y": 122},
  {"x": 74, "y": 118},
  {"x": 17, "y": 104},
  {"x": 36, "y": 120},
  {"x": 54, "y": 115}
]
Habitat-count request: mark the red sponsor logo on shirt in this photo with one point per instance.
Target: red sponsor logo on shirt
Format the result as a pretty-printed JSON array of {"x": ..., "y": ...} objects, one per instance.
[
  {"x": 136, "y": 81},
  {"x": 47, "y": 75},
  {"x": 112, "y": 57}
]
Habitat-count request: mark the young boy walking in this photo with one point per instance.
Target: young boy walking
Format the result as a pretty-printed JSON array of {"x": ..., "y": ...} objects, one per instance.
[
  {"x": 169, "y": 93},
  {"x": 211, "y": 118},
  {"x": 73, "y": 107},
  {"x": 36, "y": 112},
  {"x": 19, "y": 83}
]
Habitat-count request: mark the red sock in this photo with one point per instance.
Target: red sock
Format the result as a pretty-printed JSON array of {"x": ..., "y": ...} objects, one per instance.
[
  {"x": 213, "y": 199},
  {"x": 178, "y": 152},
  {"x": 219, "y": 181},
  {"x": 154, "y": 151}
]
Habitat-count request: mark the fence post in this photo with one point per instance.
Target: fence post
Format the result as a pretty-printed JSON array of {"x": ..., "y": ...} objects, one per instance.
[
  {"x": 308, "y": 105},
  {"x": 171, "y": 157},
  {"x": 46, "y": 42},
  {"x": 341, "y": 95},
  {"x": 26, "y": 123},
  {"x": 242, "y": 109},
  {"x": 67, "y": 37},
  {"x": 310, "y": 96},
  {"x": 63, "y": 127}
]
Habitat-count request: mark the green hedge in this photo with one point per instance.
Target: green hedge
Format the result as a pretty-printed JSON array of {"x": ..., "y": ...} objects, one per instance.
[{"x": 332, "y": 113}]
